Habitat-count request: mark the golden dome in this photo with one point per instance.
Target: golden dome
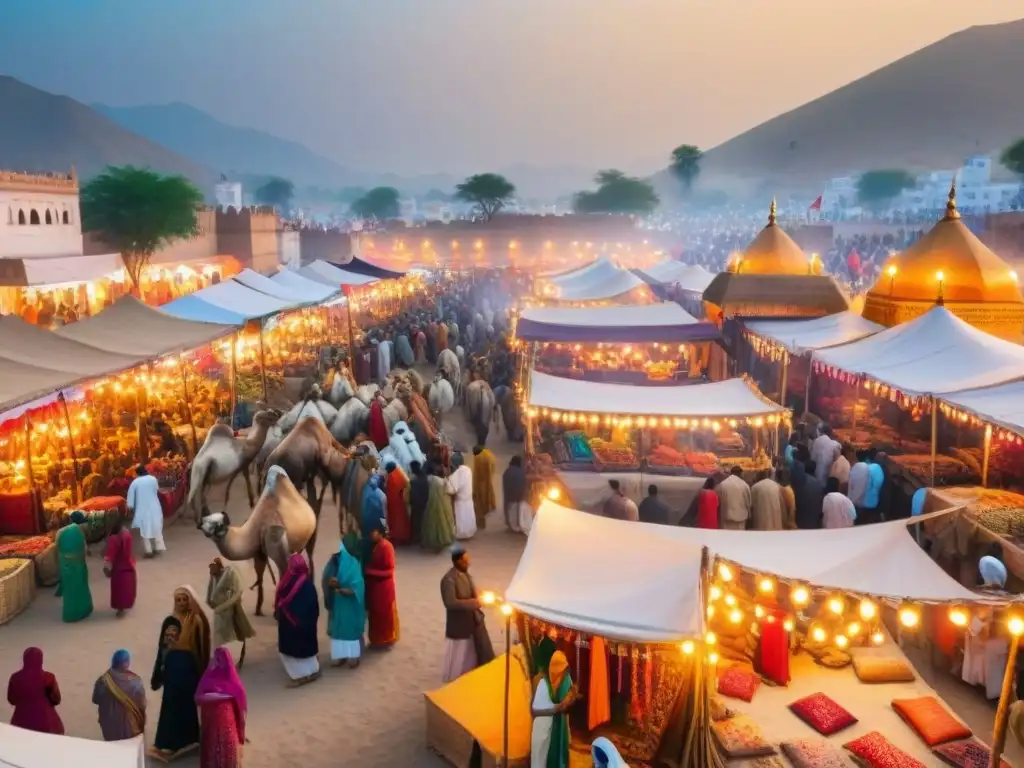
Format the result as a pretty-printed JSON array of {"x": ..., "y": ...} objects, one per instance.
[
  {"x": 773, "y": 252},
  {"x": 949, "y": 260}
]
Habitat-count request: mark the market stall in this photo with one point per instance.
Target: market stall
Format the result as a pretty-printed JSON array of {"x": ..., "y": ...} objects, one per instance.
[
  {"x": 366, "y": 267},
  {"x": 997, "y": 413},
  {"x": 28, "y": 749},
  {"x": 649, "y": 343},
  {"x": 601, "y": 281},
  {"x": 677, "y": 281},
  {"x": 303, "y": 286},
  {"x": 580, "y": 431}
]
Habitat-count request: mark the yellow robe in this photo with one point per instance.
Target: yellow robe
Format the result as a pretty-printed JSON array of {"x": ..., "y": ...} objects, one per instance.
[{"x": 484, "y": 498}]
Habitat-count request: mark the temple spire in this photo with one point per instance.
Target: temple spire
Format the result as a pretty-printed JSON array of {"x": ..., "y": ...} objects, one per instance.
[
  {"x": 951, "y": 211},
  {"x": 771, "y": 213}
]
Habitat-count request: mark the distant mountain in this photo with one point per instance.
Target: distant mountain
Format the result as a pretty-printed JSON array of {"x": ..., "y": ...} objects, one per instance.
[
  {"x": 931, "y": 109},
  {"x": 43, "y": 132}
]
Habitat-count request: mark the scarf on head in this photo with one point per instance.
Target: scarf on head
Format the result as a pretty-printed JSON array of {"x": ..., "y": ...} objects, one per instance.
[
  {"x": 296, "y": 575},
  {"x": 195, "y": 629},
  {"x": 221, "y": 678}
]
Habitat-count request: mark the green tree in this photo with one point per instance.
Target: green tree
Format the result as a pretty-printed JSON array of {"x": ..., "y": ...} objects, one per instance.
[
  {"x": 877, "y": 188},
  {"x": 617, "y": 193},
  {"x": 379, "y": 203},
  {"x": 138, "y": 211},
  {"x": 1013, "y": 157},
  {"x": 488, "y": 191},
  {"x": 277, "y": 192},
  {"x": 685, "y": 164}
]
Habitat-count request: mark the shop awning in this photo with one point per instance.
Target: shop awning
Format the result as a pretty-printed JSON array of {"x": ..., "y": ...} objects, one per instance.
[
  {"x": 738, "y": 291},
  {"x": 328, "y": 274},
  {"x": 31, "y": 345},
  {"x": 936, "y": 353},
  {"x": 640, "y": 582},
  {"x": 1002, "y": 405},
  {"x": 227, "y": 302},
  {"x": 302, "y": 286},
  {"x": 663, "y": 322},
  {"x": 21, "y": 382},
  {"x": 615, "y": 284},
  {"x": 57, "y": 270},
  {"x": 732, "y": 398},
  {"x": 132, "y": 328},
  {"x": 29, "y": 749},
  {"x": 802, "y": 336},
  {"x": 360, "y": 266},
  {"x": 689, "y": 277},
  {"x": 264, "y": 284}
]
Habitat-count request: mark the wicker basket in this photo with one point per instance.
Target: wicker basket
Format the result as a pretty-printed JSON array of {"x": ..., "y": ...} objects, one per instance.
[
  {"x": 47, "y": 567},
  {"x": 17, "y": 588}
]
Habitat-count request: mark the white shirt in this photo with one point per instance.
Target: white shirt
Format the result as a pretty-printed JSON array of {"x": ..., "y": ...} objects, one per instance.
[
  {"x": 837, "y": 511},
  {"x": 144, "y": 502},
  {"x": 858, "y": 482},
  {"x": 823, "y": 452}
]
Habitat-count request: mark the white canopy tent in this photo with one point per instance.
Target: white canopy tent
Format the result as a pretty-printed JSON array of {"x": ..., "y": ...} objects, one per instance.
[
  {"x": 328, "y": 274},
  {"x": 73, "y": 268},
  {"x": 799, "y": 337},
  {"x": 689, "y": 277},
  {"x": 28, "y": 749},
  {"x": 311, "y": 289},
  {"x": 641, "y": 582},
  {"x": 1002, "y": 405},
  {"x": 592, "y": 272},
  {"x": 719, "y": 399},
  {"x": 660, "y": 314},
  {"x": 226, "y": 302},
  {"x": 936, "y": 353},
  {"x": 264, "y": 284},
  {"x": 616, "y": 283}
]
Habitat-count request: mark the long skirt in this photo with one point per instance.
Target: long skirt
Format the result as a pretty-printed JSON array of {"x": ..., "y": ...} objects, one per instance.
[
  {"x": 220, "y": 747},
  {"x": 122, "y": 589},
  {"x": 343, "y": 650},
  {"x": 178, "y": 727},
  {"x": 465, "y": 520},
  {"x": 381, "y": 615},
  {"x": 459, "y": 658},
  {"x": 297, "y": 669}
]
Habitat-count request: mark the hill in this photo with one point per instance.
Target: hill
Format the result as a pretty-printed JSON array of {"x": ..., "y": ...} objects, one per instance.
[
  {"x": 44, "y": 132},
  {"x": 930, "y": 109}
]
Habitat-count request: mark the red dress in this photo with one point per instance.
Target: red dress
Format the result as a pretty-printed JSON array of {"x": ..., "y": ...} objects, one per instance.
[
  {"x": 707, "y": 509},
  {"x": 34, "y": 694},
  {"x": 119, "y": 561},
  {"x": 220, "y": 747},
  {"x": 381, "y": 600},
  {"x": 399, "y": 524},
  {"x": 377, "y": 427}
]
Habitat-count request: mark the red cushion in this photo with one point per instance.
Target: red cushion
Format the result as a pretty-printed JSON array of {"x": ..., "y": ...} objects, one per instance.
[
  {"x": 966, "y": 754},
  {"x": 739, "y": 683},
  {"x": 822, "y": 714},
  {"x": 875, "y": 751},
  {"x": 930, "y": 720}
]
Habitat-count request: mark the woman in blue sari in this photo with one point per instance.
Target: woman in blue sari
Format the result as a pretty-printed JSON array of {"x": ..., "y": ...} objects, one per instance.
[
  {"x": 374, "y": 509},
  {"x": 297, "y": 609},
  {"x": 345, "y": 600}
]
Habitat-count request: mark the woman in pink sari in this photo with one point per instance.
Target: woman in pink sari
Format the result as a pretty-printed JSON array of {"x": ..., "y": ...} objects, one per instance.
[
  {"x": 222, "y": 702},
  {"x": 119, "y": 566}
]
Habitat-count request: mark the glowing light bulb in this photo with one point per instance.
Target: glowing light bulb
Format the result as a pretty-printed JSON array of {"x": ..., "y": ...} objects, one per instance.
[
  {"x": 841, "y": 641},
  {"x": 736, "y": 616},
  {"x": 958, "y": 616},
  {"x": 853, "y": 629},
  {"x": 818, "y": 635},
  {"x": 506, "y": 609},
  {"x": 868, "y": 610},
  {"x": 724, "y": 572},
  {"x": 910, "y": 618},
  {"x": 766, "y": 585},
  {"x": 716, "y": 592},
  {"x": 788, "y": 625},
  {"x": 710, "y": 639},
  {"x": 759, "y": 611},
  {"x": 711, "y": 611},
  {"x": 800, "y": 596},
  {"x": 687, "y": 647},
  {"x": 940, "y": 275},
  {"x": 488, "y": 598},
  {"x": 730, "y": 600},
  {"x": 1016, "y": 626},
  {"x": 836, "y": 605},
  {"x": 892, "y": 271},
  {"x": 554, "y": 493},
  {"x": 712, "y": 658},
  {"x": 877, "y": 639}
]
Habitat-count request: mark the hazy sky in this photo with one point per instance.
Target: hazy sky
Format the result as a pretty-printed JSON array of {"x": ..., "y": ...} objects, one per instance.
[{"x": 462, "y": 85}]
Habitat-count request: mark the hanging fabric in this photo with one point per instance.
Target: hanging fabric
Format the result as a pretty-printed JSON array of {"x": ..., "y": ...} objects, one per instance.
[{"x": 599, "y": 706}]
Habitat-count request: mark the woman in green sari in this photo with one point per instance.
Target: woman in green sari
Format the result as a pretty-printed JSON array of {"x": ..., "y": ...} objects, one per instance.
[
  {"x": 555, "y": 694},
  {"x": 438, "y": 531},
  {"x": 74, "y": 573}
]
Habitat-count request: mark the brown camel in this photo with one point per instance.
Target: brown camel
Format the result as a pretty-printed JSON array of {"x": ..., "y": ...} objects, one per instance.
[
  {"x": 281, "y": 524},
  {"x": 225, "y": 457}
]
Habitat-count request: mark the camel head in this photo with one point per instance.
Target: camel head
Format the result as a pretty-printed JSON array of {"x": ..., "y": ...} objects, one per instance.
[
  {"x": 215, "y": 525},
  {"x": 315, "y": 392},
  {"x": 267, "y": 418}
]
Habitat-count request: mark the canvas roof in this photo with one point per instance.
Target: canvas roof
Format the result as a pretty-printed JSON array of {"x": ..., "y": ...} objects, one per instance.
[
  {"x": 717, "y": 399},
  {"x": 640, "y": 582},
  {"x": 616, "y": 283},
  {"x": 31, "y": 345},
  {"x": 594, "y": 270},
  {"x": 264, "y": 284},
  {"x": 936, "y": 353},
  {"x": 660, "y": 322},
  {"x": 227, "y": 302},
  {"x": 130, "y": 327},
  {"x": 57, "y": 270},
  {"x": 328, "y": 274},
  {"x": 689, "y": 277},
  {"x": 813, "y": 291},
  {"x": 29, "y": 749},
  {"x": 1002, "y": 404},
  {"x": 313, "y": 290},
  {"x": 802, "y": 336},
  {"x": 21, "y": 382},
  {"x": 360, "y": 266}
]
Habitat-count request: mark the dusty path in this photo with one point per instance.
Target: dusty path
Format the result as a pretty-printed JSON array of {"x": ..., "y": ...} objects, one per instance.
[{"x": 372, "y": 716}]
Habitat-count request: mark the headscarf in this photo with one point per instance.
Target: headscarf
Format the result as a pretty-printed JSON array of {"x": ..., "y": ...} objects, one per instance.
[
  {"x": 350, "y": 574},
  {"x": 296, "y": 574},
  {"x": 32, "y": 665},
  {"x": 993, "y": 572},
  {"x": 195, "y": 628},
  {"x": 221, "y": 678},
  {"x": 457, "y": 460},
  {"x": 78, "y": 517},
  {"x": 121, "y": 660},
  {"x": 557, "y": 669}
]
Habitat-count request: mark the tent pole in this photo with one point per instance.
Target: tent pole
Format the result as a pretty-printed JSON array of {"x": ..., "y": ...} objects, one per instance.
[
  {"x": 935, "y": 437},
  {"x": 782, "y": 390},
  {"x": 1003, "y": 711},
  {"x": 351, "y": 335},
  {"x": 508, "y": 675},
  {"x": 807, "y": 388},
  {"x": 985, "y": 457},
  {"x": 71, "y": 444},
  {"x": 234, "y": 377},
  {"x": 36, "y": 511},
  {"x": 263, "y": 366},
  {"x": 188, "y": 407}
]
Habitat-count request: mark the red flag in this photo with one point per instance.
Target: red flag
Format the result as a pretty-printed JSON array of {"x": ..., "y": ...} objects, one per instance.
[
  {"x": 816, "y": 205},
  {"x": 346, "y": 290}
]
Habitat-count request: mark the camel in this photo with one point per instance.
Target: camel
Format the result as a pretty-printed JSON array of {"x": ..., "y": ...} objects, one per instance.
[
  {"x": 225, "y": 457},
  {"x": 448, "y": 365},
  {"x": 480, "y": 405},
  {"x": 441, "y": 396},
  {"x": 281, "y": 524}
]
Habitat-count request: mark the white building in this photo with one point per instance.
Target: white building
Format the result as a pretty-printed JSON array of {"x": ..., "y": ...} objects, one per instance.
[
  {"x": 229, "y": 193},
  {"x": 976, "y": 192}
]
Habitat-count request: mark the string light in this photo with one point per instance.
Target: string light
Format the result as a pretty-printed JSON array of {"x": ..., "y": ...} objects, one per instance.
[
  {"x": 910, "y": 618},
  {"x": 710, "y": 639},
  {"x": 868, "y": 610},
  {"x": 713, "y": 658},
  {"x": 837, "y": 605},
  {"x": 958, "y": 616},
  {"x": 1016, "y": 626},
  {"x": 736, "y": 616},
  {"x": 730, "y": 600},
  {"x": 766, "y": 585},
  {"x": 724, "y": 572},
  {"x": 841, "y": 641},
  {"x": 687, "y": 647},
  {"x": 877, "y": 638},
  {"x": 716, "y": 592},
  {"x": 759, "y": 612},
  {"x": 800, "y": 596},
  {"x": 818, "y": 635},
  {"x": 853, "y": 629},
  {"x": 788, "y": 625}
]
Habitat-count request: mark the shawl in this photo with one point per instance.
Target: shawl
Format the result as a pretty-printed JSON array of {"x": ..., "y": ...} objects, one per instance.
[
  {"x": 112, "y": 679},
  {"x": 294, "y": 577},
  {"x": 195, "y": 629},
  {"x": 221, "y": 679}
]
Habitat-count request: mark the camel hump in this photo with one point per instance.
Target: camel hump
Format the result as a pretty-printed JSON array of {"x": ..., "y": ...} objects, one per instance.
[{"x": 219, "y": 432}]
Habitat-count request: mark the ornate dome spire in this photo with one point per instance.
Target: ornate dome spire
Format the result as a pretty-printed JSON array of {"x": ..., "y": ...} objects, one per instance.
[{"x": 951, "y": 211}]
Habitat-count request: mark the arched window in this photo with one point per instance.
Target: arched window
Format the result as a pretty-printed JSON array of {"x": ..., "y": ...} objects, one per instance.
[
  {"x": 33, "y": 217},
  {"x": 49, "y": 218},
  {"x": 21, "y": 217},
  {"x": 66, "y": 217}
]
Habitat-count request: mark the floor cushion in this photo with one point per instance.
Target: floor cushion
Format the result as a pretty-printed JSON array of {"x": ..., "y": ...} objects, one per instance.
[
  {"x": 813, "y": 752},
  {"x": 875, "y": 669},
  {"x": 739, "y": 683},
  {"x": 930, "y": 720},
  {"x": 822, "y": 714},
  {"x": 719, "y": 709},
  {"x": 873, "y": 750},
  {"x": 741, "y": 737},
  {"x": 966, "y": 754}
]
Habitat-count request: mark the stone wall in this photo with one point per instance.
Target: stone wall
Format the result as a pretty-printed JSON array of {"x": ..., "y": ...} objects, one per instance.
[{"x": 324, "y": 245}]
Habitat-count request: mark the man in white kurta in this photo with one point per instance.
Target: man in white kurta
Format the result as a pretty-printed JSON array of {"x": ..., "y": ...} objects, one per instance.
[
  {"x": 460, "y": 488},
  {"x": 147, "y": 515}
]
